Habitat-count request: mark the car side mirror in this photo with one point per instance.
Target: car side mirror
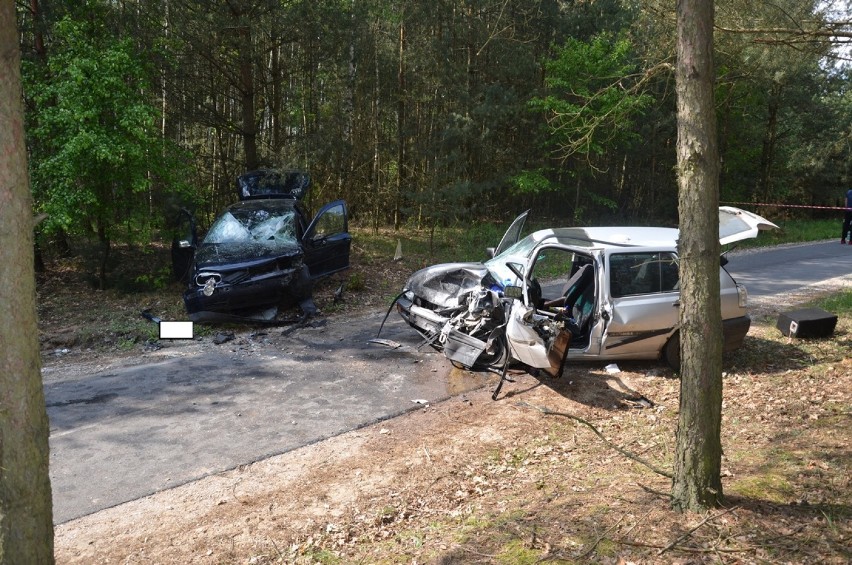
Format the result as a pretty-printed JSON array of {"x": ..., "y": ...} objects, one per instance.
[
  {"x": 723, "y": 260},
  {"x": 490, "y": 252},
  {"x": 515, "y": 292}
]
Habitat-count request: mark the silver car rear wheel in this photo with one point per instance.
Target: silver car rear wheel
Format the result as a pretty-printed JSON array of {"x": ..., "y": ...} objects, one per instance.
[{"x": 671, "y": 352}]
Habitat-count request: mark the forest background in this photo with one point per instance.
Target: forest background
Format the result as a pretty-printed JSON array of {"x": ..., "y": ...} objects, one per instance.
[{"x": 419, "y": 114}]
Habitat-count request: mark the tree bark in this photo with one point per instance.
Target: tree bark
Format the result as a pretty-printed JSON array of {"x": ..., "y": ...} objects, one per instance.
[
  {"x": 767, "y": 155},
  {"x": 243, "y": 47},
  {"x": 697, "y": 476},
  {"x": 400, "y": 126},
  {"x": 26, "y": 522}
]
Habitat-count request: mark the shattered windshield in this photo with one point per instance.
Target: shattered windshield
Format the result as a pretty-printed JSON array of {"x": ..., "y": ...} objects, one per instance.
[
  {"x": 251, "y": 230},
  {"x": 516, "y": 254}
]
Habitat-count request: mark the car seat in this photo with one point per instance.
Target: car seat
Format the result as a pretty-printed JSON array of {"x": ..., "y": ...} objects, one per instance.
[
  {"x": 582, "y": 313},
  {"x": 577, "y": 284}
]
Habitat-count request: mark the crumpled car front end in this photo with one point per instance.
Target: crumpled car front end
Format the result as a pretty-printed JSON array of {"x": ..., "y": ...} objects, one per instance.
[
  {"x": 437, "y": 289},
  {"x": 252, "y": 290}
]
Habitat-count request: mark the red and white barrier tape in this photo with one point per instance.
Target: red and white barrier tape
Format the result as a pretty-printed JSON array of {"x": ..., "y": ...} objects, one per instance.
[{"x": 789, "y": 206}]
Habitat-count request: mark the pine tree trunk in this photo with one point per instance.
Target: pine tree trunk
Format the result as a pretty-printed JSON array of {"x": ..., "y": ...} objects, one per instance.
[
  {"x": 697, "y": 483},
  {"x": 26, "y": 522}
]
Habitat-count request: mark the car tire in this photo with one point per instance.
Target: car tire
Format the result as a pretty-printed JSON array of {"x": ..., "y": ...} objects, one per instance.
[
  {"x": 671, "y": 352},
  {"x": 495, "y": 356}
]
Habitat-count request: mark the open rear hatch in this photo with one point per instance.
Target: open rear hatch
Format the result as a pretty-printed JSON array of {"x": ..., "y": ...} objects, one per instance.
[
  {"x": 272, "y": 183},
  {"x": 737, "y": 225}
]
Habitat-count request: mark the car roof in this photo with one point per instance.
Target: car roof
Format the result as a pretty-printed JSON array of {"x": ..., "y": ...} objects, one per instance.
[
  {"x": 616, "y": 237},
  {"x": 734, "y": 225}
]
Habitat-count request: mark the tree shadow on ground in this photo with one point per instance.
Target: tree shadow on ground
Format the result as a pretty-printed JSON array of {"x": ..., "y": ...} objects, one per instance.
[{"x": 589, "y": 384}]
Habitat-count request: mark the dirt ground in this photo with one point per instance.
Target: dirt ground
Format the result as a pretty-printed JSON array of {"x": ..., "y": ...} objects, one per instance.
[{"x": 522, "y": 479}]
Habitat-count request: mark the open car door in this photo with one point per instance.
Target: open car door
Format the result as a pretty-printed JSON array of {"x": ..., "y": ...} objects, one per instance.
[
  {"x": 184, "y": 244},
  {"x": 327, "y": 240},
  {"x": 540, "y": 337},
  {"x": 511, "y": 237}
]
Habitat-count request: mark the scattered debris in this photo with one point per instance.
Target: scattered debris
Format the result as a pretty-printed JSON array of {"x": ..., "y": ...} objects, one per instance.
[
  {"x": 338, "y": 294},
  {"x": 146, "y": 313},
  {"x": 223, "y": 337},
  {"x": 639, "y": 402},
  {"x": 387, "y": 342}
]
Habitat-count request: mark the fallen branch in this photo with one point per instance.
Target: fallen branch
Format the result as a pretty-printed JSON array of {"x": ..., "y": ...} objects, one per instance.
[
  {"x": 685, "y": 549},
  {"x": 600, "y": 538},
  {"x": 628, "y": 454},
  {"x": 652, "y": 491},
  {"x": 690, "y": 532}
]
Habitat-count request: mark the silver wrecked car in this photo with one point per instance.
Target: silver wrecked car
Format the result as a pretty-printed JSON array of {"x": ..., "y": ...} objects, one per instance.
[{"x": 594, "y": 293}]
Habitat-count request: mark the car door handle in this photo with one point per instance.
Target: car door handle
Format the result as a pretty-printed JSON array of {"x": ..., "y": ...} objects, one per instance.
[{"x": 676, "y": 304}]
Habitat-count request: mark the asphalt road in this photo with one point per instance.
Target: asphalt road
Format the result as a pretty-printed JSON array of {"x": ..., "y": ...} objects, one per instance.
[
  {"x": 786, "y": 268},
  {"x": 121, "y": 434}
]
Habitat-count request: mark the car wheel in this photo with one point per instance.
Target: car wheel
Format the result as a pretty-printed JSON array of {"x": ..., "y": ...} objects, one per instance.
[
  {"x": 494, "y": 356},
  {"x": 671, "y": 352}
]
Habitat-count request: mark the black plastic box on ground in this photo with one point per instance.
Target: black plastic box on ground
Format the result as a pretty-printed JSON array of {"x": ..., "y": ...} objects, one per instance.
[{"x": 810, "y": 322}]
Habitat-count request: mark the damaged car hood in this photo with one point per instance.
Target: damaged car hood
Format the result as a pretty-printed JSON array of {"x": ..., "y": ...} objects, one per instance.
[{"x": 443, "y": 284}]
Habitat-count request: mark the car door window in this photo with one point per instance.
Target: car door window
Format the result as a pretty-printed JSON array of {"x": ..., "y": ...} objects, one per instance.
[
  {"x": 643, "y": 273},
  {"x": 184, "y": 233},
  {"x": 184, "y": 242},
  {"x": 331, "y": 222}
]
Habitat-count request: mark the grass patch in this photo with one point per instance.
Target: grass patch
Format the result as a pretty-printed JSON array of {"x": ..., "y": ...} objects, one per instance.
[
  {"x": 516, "y": 552},
  {"x": 767, "y": 487},
  {"x": 839, "y": 303},
  {"x": 449, "y": 244},
  {"x": 794, "y": 231}
]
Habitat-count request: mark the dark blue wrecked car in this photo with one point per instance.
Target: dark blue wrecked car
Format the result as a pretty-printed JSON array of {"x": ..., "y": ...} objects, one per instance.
[{"x": 262, "y": 253}]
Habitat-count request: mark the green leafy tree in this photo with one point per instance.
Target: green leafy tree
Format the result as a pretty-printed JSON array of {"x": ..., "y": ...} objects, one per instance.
[
  {"x": 595, "y": 93},
  {"x": 97, "y": 152}
]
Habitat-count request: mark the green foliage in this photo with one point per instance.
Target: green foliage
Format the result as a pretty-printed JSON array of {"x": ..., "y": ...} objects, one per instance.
[
  {"x": 97, "y": 157},
  {"x": 356, "y": 282},
  {"x": 532, "y": 182},
  {"x": 415, "y": 113},
  {"x": 159, "y": 280},
  {"x": 595, "y": 95}
]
